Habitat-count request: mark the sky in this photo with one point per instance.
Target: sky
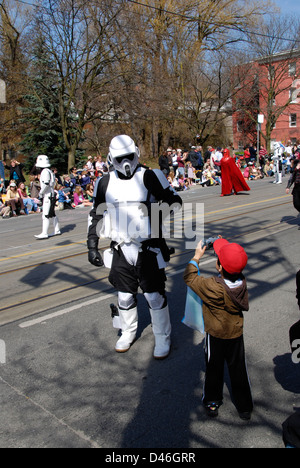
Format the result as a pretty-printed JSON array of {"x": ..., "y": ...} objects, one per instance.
[{"x": 289, "y": 6}]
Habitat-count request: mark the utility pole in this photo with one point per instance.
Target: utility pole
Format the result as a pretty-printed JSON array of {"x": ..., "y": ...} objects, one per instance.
[
  {"x": 2, "y": 101},
  {"x": 260, "y": 120}
]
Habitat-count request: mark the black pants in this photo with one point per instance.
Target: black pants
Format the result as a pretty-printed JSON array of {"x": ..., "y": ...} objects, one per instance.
[
  {"x": 217, "y": 352},
  {"x": 296, "y": 197},
  {"x": 146, "y": 274}
]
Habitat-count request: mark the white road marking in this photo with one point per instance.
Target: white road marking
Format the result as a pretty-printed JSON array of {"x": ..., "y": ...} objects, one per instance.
[{"x": 33, "y": 322}]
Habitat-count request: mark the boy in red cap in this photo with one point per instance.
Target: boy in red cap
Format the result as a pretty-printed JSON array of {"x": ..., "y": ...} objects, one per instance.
[{"x": 225, "y": 297}]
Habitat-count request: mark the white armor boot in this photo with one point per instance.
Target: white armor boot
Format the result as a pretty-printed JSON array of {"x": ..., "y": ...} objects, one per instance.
[
  {"x": 56, "y": 227},
  {"x": 129, "y": 325},
  {"x": 45, "y": 228},
  {"x": 161, "y": 326}
]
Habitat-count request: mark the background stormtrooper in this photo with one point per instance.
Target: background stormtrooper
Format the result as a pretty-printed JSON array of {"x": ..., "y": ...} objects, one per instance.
[
  {"x": 47, "y": 181},
  {"x": 277, "y": 160},
  {"x": 123, "y": 205}
]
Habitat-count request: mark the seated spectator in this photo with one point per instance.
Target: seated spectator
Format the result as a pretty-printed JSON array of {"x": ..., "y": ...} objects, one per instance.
[
  {"x": 79, "y": 199},
  {"x": 182, "y": 183},
  {"x": 217, "y": 179},
  {"x": 173, "y": 182},
  {"x": 14, "y": 200},
  {"x": 74, "y": 176},
  {"x": 255, "y": 173},
  {"x": 90, "y": 192},
  {"x": 30, "y": 204},
  {"x": 207, "y": 178},
  {"x": 4, "y": 210},
  {"x": 247, "y": 172},
  {"x": 84, "y": 180},
  {"x": 93, "y": 181},
  {"x": 268, "y": 169},
  {"x": 63, "y": 199},
  {"x": 69, "y": 184}
]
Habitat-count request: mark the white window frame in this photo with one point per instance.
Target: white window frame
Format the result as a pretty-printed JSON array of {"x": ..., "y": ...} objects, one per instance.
[
  {"x": 293, "y": 121},
  {"x": 292, "y": 68},
  {"x": 293, "y": 95}
]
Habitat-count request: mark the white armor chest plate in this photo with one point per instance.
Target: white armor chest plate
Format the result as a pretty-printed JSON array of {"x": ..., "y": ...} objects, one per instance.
[
  {"x": 127, "y": 217},
  {"x": 47, "y": 181}
]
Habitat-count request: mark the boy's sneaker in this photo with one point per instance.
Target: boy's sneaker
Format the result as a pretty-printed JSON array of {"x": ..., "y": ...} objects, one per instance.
[
  {"x": 246, "y": 415},
  {"x": 212, "y": 410}
]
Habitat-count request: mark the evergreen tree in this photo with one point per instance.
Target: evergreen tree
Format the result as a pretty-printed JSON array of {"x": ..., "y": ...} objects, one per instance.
[{"x": 40, "y": 117}]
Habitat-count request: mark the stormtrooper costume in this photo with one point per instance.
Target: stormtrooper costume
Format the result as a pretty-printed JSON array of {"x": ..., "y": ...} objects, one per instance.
[
  {"x": 277, "y": 160},
  {"x": 47, "y": 181},
  {"x": 122, "y": 213}
]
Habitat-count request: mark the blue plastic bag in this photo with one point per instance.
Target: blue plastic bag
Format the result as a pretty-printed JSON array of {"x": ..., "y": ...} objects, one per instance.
[{"x": 193, "y": 317}]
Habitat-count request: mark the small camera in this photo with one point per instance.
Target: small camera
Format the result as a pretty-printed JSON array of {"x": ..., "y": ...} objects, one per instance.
[{"x": 209, "y": 243}]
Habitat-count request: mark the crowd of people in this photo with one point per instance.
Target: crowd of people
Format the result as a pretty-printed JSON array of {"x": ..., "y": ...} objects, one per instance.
[
  {"x": 185, "y": 168},
  {"x": 182, "y": 168},
  {"x": 73, "y": 190}
]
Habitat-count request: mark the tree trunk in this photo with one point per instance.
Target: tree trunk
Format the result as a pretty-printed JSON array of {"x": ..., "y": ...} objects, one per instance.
[{"x": 71, "y": 159}]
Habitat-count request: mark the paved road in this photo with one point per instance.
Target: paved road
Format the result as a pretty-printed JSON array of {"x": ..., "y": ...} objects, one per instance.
[{"x": 62, "y": 384}]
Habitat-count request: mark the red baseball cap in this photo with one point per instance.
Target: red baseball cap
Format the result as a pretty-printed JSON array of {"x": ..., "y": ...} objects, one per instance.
[{"x": 233, "y": 257}]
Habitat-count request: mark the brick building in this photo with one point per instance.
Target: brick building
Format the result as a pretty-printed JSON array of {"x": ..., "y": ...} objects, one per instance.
[{"x": 269, "y": 86}]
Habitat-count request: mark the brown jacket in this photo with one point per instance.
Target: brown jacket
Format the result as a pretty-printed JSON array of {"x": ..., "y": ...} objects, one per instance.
[{"x": 222, "y": 307}]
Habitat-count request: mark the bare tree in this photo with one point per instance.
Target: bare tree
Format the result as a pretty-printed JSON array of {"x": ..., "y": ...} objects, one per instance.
[
  {"x": 77, "y": 35},
  {"x": 164, "y": 65},
  {"x": 13, "y": 66}
]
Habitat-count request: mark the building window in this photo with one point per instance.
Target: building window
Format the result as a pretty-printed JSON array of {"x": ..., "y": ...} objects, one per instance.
[
  {"x": 271, "y": 72},
  {"x": 293, "y": 120},
  {"x": 292, "y": 69},
  {"x": 293, "y": 95}
]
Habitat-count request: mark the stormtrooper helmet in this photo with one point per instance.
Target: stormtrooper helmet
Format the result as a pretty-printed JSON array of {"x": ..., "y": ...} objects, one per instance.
[
  {"x": 278, "y": 148},
  {"x": 123, "y": 155},
  {"x": 42, "y": 161},
  {"x": 276, "y": 145}
]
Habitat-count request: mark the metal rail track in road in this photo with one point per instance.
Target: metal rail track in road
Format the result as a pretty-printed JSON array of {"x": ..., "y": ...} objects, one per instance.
[
  {"x": 65, "y": 257},
  {"x": 104, "y": 278}
]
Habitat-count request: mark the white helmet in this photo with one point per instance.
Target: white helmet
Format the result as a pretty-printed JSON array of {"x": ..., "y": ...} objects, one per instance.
[
  {"x": 123, "y": 155},
  {"x": 42, "y": 161}
]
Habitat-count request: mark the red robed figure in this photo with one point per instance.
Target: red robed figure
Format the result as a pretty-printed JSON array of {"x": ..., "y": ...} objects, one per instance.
[{"x": 232, "y": 178}]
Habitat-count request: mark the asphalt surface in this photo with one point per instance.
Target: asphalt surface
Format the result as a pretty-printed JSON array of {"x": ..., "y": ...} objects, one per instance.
[{"x": 62, "y": 384}]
